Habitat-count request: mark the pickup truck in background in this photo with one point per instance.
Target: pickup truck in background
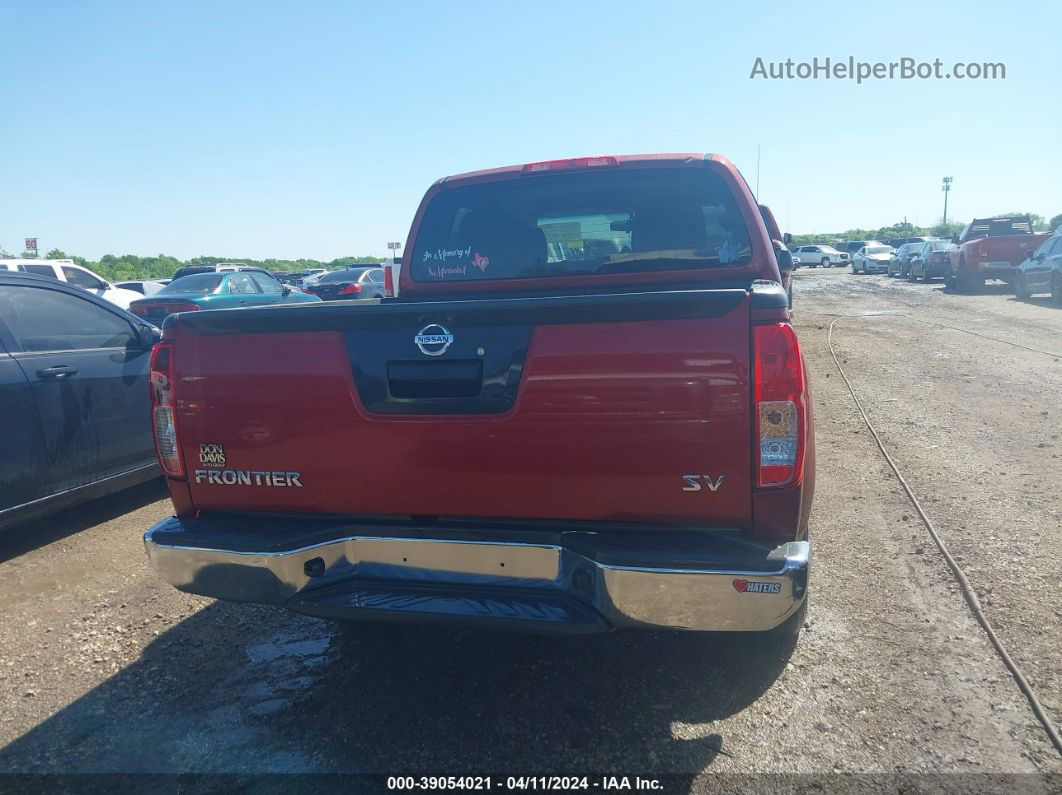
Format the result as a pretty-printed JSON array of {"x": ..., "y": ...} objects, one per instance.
[
  {"x": 991, "y": 248},
  {"x": 586, "y": 409}
]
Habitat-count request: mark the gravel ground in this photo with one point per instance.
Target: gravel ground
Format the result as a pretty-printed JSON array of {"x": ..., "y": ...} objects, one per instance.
[{"x": 105, "y": 669}]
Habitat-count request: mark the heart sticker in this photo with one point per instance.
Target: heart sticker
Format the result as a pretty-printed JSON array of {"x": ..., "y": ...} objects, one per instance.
[{"x": 741, "y": 585}]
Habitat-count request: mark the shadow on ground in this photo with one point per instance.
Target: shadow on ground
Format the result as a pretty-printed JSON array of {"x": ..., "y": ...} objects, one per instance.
[
  {"x": 21, "y": 538},
  {"x": 242, "y": 689}
]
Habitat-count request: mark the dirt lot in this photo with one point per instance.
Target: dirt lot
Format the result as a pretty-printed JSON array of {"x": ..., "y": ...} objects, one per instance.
[{"x": 103, "y": 668}]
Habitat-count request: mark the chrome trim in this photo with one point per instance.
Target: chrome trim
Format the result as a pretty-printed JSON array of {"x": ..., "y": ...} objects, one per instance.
[
  {"x": 1001, "y": 267},
  {"x": 636, "y": 596},
  {"x": 135, "y": 476}
]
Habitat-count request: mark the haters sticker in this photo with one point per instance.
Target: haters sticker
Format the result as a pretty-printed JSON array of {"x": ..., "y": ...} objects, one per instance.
[{"x": 750, "y": 586}]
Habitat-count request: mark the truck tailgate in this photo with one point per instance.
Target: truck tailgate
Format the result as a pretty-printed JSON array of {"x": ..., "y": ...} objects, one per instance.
[{"x": 571, "y": 407}]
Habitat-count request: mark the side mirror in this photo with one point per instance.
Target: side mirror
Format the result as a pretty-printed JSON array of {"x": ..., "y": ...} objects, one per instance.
[
  {"x": 285, "y": 290},
  {"x": 785, "y": 259},
  {"x": 148, "y": 335},
  {"x": 787, "y": 238}
]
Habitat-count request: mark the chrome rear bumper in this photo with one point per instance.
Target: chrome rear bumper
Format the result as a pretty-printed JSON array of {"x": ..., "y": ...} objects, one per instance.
[{"x": 534, "y": 586}]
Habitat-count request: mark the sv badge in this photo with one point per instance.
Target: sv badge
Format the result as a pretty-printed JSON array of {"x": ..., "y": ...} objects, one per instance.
[{"x": 693, "y": 482}]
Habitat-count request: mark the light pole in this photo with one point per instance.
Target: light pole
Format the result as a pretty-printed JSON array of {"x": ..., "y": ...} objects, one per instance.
[{"x": 946, "y": 187}]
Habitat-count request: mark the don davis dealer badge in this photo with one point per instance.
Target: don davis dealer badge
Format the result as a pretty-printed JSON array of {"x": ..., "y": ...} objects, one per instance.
[{"x": 213, "y": 455}]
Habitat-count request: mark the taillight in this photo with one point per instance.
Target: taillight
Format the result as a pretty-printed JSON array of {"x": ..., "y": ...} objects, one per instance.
[
  {"x": 780, "y": 394},
  {"x": 349, "y": 289},
  {"x": 389, "y": 282},
  {"x": 163, "y": 408},
  {"x": 565, "y": 165}
]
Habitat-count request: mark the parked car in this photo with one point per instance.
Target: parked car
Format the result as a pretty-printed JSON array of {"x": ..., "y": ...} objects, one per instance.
[
  {"x": 900, "y": 260},
  {"x": 74, "y": 390},
  {"x": 930, "y": 261},
  {"x": 349, "y": 283},
  {"x": 142, "y": 287},
  {"x": 216, "y": 291},
  {"x": 991, "y": 248},
  {"x": 574, "y": 442},
  {"x": 872, "y": 259},
  {"x": 66, "y": 270},
  {"x": 312, "y": 276},
  {"x": 896, "y": 242},
  {"x": 221, "y": 267},
  {"x": 1041, "y": 272},
  {"x": 851, "y": 248},
  {"x": 826, "y": 256}
]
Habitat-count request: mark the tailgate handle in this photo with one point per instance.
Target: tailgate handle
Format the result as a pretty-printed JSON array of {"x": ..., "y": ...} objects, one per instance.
[{"x": 446, "y": 379}]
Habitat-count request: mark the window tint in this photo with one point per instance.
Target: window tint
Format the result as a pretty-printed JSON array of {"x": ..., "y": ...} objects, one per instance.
[
  {"x": 585, "y": 222},
  {"x": 266, "y": 284},
  {"x": 201, "y": 283},
  {"x": 80, "y": 278},
  {"x": 48, "y": 320},
  {"x": 339, "y": 277},
  {"x": 241, "y": 283},
  {"x": 41, "y": 270}
]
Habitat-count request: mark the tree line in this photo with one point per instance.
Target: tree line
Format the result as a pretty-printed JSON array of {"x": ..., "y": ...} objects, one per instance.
[
  {"x": 129, "y": 266},
  {"x": 905, "y": 229}
]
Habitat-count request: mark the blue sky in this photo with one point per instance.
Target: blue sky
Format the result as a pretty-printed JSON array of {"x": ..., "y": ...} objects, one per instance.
[{"x": 312, "y": 129}]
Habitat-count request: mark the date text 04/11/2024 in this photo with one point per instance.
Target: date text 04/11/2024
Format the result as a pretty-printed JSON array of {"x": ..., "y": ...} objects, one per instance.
[{"x": 524, "y": 783}]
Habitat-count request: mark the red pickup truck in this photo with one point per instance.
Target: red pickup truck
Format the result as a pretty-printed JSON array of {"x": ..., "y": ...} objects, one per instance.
[
  {"x": 991, "y": 248},
  {"x": 585, "y": 409}
]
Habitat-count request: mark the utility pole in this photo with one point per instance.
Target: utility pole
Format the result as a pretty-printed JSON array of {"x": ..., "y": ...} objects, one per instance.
[{"x": 946, "y": 187}]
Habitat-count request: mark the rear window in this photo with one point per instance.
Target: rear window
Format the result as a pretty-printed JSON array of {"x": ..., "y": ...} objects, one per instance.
[
  {"x": 570, "y": 224},
  {"x": 202, "y": 283},
  {"x": 342, "y": 276},
  {"x": 999, "y": 227}
]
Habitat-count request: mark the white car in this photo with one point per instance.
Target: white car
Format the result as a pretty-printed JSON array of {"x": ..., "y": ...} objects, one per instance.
[
  {"x": 66, "y": 270},
  {"x": 872, "y": 259},
  {"x": 826, "y": 256},
  {"x": 142, "y": 286}
]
